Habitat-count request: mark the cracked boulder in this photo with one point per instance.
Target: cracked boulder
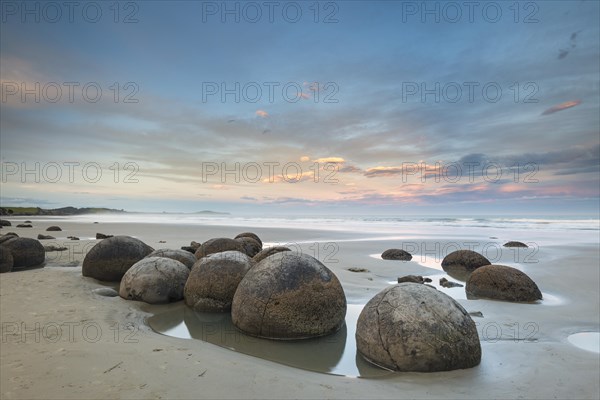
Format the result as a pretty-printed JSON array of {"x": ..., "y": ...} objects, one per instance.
[
  {"x": 154, "y": 280},
  {"x": 214, "y": 280},
  {"x": 109, "y": 259},
  {"x": 289, "y": 296},
  {"x": 413, "y": 327}
]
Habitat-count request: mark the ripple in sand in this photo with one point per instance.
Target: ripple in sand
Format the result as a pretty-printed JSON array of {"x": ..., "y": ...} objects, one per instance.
[
  {"x": 334, "y": 354},
  {"x": 589, "y": 341}
]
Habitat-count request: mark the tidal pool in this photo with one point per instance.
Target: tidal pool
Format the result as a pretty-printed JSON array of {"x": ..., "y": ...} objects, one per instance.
[
  {"x": 334, "y": 354},
  {"x": 589, "y": 341}
]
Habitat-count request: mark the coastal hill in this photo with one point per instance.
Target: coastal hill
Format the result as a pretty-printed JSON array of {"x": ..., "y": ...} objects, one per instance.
[{"x": 56, "y": 211}]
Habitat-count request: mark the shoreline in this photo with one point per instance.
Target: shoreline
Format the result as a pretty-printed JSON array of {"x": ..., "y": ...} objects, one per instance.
[{"x": 162, "y": 366}]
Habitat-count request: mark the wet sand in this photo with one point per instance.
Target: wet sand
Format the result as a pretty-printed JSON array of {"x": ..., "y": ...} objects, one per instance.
[{"x": 59, "y": 340}]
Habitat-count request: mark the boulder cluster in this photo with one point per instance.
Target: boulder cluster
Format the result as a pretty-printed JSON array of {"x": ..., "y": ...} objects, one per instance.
[{"x": 271, "y": 293}]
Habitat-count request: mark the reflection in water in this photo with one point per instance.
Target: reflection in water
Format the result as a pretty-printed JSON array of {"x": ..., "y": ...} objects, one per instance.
[
  {"x": 333, "y": 354},
  {"x": 589, "y": 341}
]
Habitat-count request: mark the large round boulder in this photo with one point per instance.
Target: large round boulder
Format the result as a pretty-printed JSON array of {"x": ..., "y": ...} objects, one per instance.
[
  {"x": 214, "y": 280},
  {"x": 218, "y": 245},
  {"x": 154, "y": 280},
  {"x": 25, "y": 252},
  {"x": 184, "y": 257},
  {"x": 250, "y": 235},
  {"x": 460, "y": 263},
  {"x": 414, "y": 327},
  {"x": 289, "y": 296},
  {"x": 251, "y": 246},
  {"x": 396, "y": 254},
  {"x": 109, "y": 259},
  {"x": 269, "y": 251},
  {"x": 500, "y": 282},
  {"x": 4, "y": 222},
  {"x": 6, "y": 260}
]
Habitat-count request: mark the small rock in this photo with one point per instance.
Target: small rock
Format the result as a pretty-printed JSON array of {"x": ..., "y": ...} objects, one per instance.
[
  {"x": 27, "y": 222},
  {"x": 73, "y": 237},
  {"x": 396, "y": 254},
  {"x": 162, "y": 241},
  {"x": 515, "y": 244},
  {"x": 411, "y": 278},
  {"x": 102, "y": 236},
  {"x": 54, "y": 248},
  {"x": 53, "y": 228},
  {"x": 476, "y": 314},
  {"x": 4, "y": 222},
  {"x": 24, "y": 226},
  {"x": 45, "y": 237},
  {"x": 194, "y": 245},
  {"x": 106, "y": 292},
  {"x": 449, "y": 284},
  {"x": 427, "y": 280},
  {"x": 188, "y": 248},
  {"x": 354, "y": 269}
]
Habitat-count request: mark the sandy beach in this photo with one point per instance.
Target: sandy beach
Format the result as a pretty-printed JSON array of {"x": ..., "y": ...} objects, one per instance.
[{"x": 61, "y": 340}]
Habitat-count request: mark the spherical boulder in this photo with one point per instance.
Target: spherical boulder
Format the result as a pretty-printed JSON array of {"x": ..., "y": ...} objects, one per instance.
[
  {"x": 251, "y": 246},
  {"x": 269, "y": 251},
  {"x": 4, "y": 222},
  {"x": 6, "y": 260},
  {"x": 109, "y": 259},
  {"x": 25, "y": 252},
  {"x": 217, "y": 245},
  {"x": 460, "y": 263},
  {"x": 184, "y": 257},
  {"x": 289, "y": 296},
  {"x": 214, "y": 280},
  {"x": 250, "y": 235},
  {"x": 414, "y": 327},
  {"x": 396, "y": 254},
  {"x": 154, "y": 280},
  {"x": 514, "y": 244},
  {"x": 500, "y": 282},
  {"x": 53, "y": 228}
]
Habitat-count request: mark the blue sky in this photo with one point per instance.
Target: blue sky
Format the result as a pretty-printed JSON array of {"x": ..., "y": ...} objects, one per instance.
[{"x": 383, "y": 104}]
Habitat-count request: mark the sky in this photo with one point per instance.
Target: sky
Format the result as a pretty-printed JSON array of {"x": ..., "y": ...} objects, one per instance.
[{"x": 347, "y": 107}]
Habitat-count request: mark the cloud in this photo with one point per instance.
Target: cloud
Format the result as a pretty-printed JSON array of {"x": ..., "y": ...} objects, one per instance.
[
  {"x": 562, "y": 106},
  {"x": 304, "y": 158},
  {"x": 350, "y": 169},
  {"x": 262, "y": 113},
  {"x": 324, "y": 160},
  {"x": 249, "y": 198},
  {"x": 383, "y": 171}
]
